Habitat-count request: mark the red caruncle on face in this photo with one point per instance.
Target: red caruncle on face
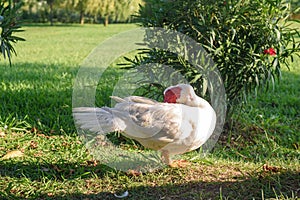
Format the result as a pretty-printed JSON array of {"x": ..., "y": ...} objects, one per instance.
[{"x": 172, "y": 95}]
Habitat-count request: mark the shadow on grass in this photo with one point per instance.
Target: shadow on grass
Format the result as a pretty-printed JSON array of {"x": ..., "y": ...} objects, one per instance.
[
  {"x": 41, "y": 94},
  {"x": 272, "y": 185},
  {"x": 93, "y": 180},
  {"x": 63, "y": 169}
]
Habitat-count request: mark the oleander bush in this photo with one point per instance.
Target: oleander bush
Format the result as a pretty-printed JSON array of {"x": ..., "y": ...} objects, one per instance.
[{"x": 249, "y": 40}]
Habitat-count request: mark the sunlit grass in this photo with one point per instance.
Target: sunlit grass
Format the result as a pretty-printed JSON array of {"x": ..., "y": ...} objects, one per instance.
[
  {"x": 39, "y": 84},
  {"x": 258, "y": 159}
]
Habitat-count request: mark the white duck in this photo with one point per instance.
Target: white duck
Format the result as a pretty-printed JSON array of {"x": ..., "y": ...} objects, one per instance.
[{"x": 181, "y": 124}]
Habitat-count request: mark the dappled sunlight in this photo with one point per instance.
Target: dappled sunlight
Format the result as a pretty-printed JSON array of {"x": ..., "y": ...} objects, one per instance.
[{"x": 42, "y": 157}]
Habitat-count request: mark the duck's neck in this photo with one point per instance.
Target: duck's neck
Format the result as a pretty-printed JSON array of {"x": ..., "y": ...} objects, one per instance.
[{"x": 199, "y": 102}]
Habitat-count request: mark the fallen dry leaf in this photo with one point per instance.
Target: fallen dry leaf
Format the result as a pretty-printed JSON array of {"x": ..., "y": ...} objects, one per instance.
[
  {"x": 13, "y": 154},
  {"x": 271, "y": 168},
  {"x": 50, "y": 194},
  {"x": 34, "y": 130},
  {"x": 33, "y": 144},
  {"x": 38, "y": 154},
  {"x": 65, "y": 144},
  {"x": 92, "y": 163},
  {"x": 132, "y": 172},
  {"x": 78, "y": 142},
  {"x": 2, "y": 134}
]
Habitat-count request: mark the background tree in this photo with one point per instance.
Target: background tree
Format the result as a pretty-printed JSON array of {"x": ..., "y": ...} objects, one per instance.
[
  {"x": 52, "y": 4},
  {"x": 30, "y": 4},
  {"x": 113, "y": 9},
  {"x": 102, "y": 8},
  {"x": 125, "y": 9},
  {"x": 77, "y": 6}
]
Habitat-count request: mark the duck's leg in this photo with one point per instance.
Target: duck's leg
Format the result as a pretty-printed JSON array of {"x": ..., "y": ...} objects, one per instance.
[
  {"x": 166, "y": 157},
  {"x": 180, "y": 163},
  {"x": 176, "y": 163}
]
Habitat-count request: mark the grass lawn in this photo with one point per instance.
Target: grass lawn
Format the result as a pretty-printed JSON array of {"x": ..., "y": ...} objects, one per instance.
[{"x": 258, "y": 159}]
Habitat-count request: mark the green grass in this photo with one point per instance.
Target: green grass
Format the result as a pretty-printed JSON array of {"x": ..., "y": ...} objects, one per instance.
[
  {"x": 258, "y": 159},
  {"x": 39, "y": 85}
]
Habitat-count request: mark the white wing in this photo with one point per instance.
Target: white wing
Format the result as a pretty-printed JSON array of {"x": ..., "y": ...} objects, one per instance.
[
  {"x": 171, "y": 127},
  {"x": 137, "y": 117}
]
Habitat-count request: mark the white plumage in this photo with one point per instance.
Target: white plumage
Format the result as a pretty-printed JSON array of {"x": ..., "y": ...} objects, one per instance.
[{"x": 181, "y": 124}]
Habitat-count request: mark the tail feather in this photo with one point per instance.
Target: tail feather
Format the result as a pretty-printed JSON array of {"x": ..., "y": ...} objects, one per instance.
[{"x": 99, "y": 120}]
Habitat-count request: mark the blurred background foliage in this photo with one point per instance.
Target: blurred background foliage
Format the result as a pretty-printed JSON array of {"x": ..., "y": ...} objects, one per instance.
[{"x": 79, "y": 11}]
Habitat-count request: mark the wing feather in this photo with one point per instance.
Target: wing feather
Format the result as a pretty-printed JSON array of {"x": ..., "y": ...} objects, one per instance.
[{"x": 150, "y": 123}]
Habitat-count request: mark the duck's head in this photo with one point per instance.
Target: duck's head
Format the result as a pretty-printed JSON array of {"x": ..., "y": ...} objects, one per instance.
[{"x": 181, "y": 93}]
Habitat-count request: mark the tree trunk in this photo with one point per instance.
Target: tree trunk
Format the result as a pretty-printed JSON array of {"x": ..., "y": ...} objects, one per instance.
[
  {"x": 30, "y": 9},
  {"x": 105, "y": 20},
  {"x": 81, "y": 17},
  {"x": 51, "y": 13}
]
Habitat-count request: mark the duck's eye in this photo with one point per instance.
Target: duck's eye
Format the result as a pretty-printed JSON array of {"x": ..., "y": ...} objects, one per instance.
[{"x": 191, "y": 98}]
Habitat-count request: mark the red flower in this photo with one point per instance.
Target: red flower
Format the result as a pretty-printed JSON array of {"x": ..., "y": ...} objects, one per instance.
[{"x": 270, "y": 51}]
